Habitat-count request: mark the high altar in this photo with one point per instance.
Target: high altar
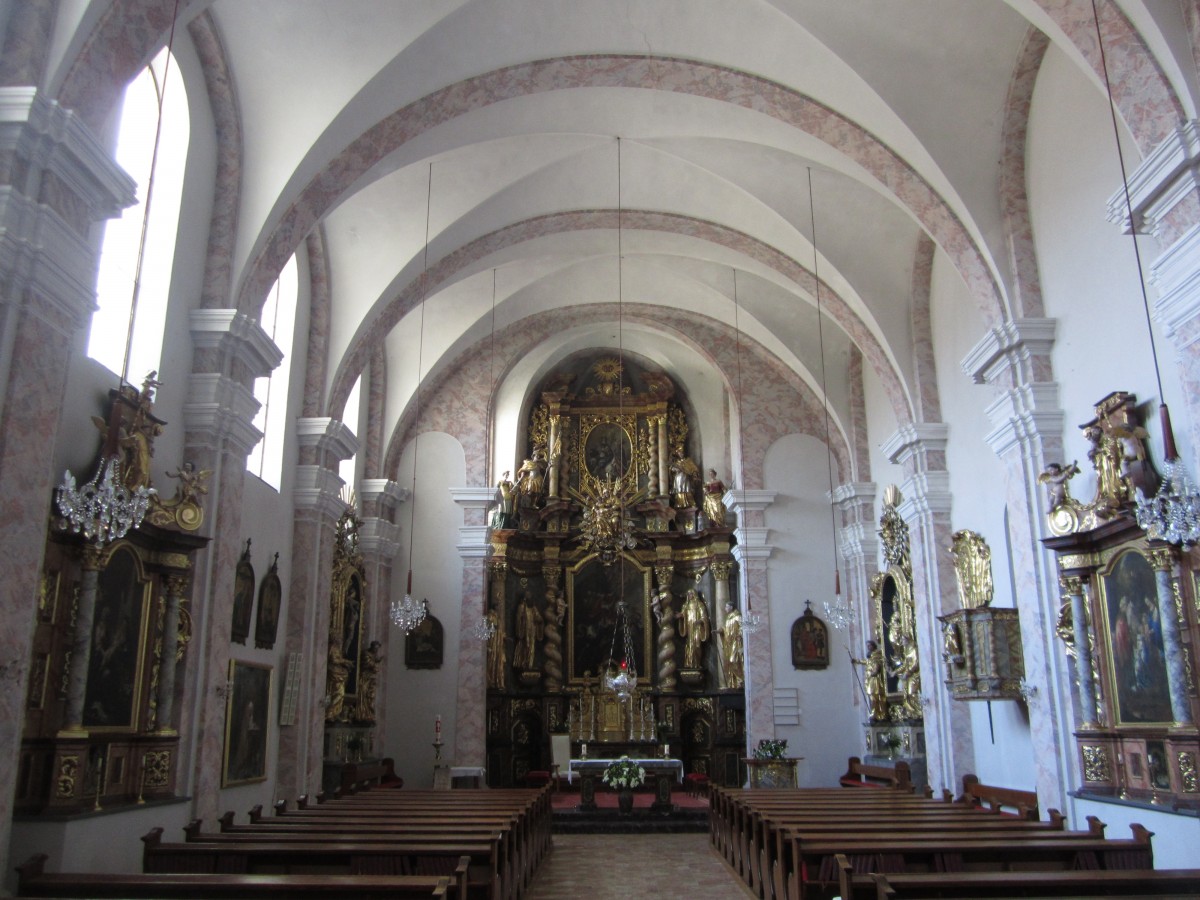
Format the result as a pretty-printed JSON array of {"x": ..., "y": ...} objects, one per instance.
[{"x": 610, "y": 549}]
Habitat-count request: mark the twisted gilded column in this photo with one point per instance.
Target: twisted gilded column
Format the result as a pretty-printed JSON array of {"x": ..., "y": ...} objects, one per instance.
[
  {"x": 81, "y": 643},
  {"x": 175, "y": 586},
  {"x": 664, "y": 613},
  {"x": 1072, "y": 586},
  {"x": 552, "y": 616},
  {"x": 1163, "y": 560}
]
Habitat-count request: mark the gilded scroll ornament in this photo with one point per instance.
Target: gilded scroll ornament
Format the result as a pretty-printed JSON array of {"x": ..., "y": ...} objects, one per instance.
[
  {"x": 68, "y": 771},
  {"x": 1095, "y": 763},
  {"x": 1187, "y": 771},
  {"x": 156, "y": 771},
  {"x": 973, "y": 566}
]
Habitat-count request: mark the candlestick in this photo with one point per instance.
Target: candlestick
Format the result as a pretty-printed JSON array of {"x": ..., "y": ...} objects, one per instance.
[{"x": 437, "y": 729}]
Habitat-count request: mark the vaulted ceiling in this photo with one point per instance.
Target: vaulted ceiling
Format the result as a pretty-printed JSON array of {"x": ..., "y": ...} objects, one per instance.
[{"x": 498, "y": 121}]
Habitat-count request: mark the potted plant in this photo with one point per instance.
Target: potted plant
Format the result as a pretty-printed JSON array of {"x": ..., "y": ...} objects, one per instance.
[
  {"x": 624, "y": 775},
  {"x": 890, "y": 740}
]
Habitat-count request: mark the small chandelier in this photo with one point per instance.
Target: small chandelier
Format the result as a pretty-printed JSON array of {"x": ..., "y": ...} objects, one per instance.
[
  {"x": 1173, "y": 514},
  {"x": 484, "y": 629},
  {"x": 104, "y": 509},
  {"x": 751, "y": 621},
  {"x": 624, "y": 680},
  {"x": 406, "y": 613}
]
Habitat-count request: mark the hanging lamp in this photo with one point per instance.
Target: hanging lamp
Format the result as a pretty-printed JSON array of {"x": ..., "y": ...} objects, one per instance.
[
  {"x": 839, "y": 610},
  {"x": 485, "y": 628},
  {"x": 106, "y": 508},
  {"x": 406, "y": 613}
]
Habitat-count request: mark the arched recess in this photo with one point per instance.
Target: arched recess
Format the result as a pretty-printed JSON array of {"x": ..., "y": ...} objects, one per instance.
[
  {"x": 473, "y": 256},
  {"x": 774, "y": 400}
]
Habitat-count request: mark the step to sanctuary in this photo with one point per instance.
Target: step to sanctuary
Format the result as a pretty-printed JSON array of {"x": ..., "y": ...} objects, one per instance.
[{"x": 639, "y": 821}]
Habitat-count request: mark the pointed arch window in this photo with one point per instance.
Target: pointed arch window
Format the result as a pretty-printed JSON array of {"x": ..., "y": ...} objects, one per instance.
[
  {"x": 119, "y": 249},
  {"x": 278, "y": 320}
]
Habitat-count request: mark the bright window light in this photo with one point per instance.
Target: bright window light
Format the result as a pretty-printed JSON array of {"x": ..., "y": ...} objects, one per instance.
[
  {"x": 278, "y": 320},
  {"x": 119, "y": 251}
]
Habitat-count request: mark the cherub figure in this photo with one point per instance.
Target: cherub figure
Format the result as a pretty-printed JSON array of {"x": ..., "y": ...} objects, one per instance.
[{"x": 1056, "y": 476}]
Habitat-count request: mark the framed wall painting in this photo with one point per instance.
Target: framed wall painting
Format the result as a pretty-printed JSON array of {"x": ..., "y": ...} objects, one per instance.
[
  {"x": 810, "y": 641},
  {"x": 246, "y": 719},
  {"x": 1136, "y": 660},
  {"x": 270, "y": 597},
  {"x": 115, "y": 666},
  {"x": 423, "y": 646}
]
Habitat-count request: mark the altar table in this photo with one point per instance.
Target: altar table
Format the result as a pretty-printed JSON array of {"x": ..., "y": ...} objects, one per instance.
[{"x": 659, "y": 770}]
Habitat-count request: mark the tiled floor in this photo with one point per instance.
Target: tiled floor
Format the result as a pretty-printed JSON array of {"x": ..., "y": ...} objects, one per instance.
[{"x": 626, "y": 866}]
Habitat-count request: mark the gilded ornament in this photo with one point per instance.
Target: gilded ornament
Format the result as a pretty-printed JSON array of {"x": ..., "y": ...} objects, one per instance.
[
  {"x": 1095, "y": 763},
  {"x": 973, "y": 566},
  {"x": 721, "y": 569},
  {"x": 157, "y": 768},
  {"x": 1162, "y": 559},
  {"x": 68, "y": 769},
  {"x": 1187, "y": 771}
]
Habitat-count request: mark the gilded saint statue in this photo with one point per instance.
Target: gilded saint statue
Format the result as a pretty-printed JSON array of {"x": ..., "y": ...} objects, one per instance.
[
  {"x": 529, "y": 630},
  {"x": 496, "y": 648},
  {"x": 506, "y": 498},
  {"x": 335, "y": 681},
  {"x": 973, "y": 566},
  {"x": 874, "y": 682},
  {"x": 733, "y": 657},
  {"x": 531, "y": 479},
  {"x": 714, "y": 504},
  {"x": 694, "y": 629},
  {"x": 684, "y": 475},
  {"x": 908, "y": 671},
  {"x": 368, "y": 682}
]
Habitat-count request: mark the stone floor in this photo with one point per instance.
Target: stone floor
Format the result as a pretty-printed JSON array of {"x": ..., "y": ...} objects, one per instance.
[{"x": 624, "y": 866}]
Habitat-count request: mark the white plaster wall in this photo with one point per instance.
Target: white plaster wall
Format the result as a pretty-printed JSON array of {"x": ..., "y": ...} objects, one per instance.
[
  {"x": 881, "y": 425},
  {"x": 801, "y": 568},
  {"x": 1089, "y": 274},
  {"x": 416, "y": 696},
  {"x": 1001, "y": 735}
]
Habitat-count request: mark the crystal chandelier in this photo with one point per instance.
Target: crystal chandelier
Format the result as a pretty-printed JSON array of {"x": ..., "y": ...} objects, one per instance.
[
  {"x": 623, "y": 681},
  {"x": 751, "y": 621},
  {"x": 484, "y": 629},
  {"x": 407, "y": 614},
  {"x": 1173, "y": 514},
  {"x": 104, "y": 509}
]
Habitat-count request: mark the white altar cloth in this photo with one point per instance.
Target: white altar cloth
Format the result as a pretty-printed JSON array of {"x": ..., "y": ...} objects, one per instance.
[{"x": 650, "y": 765}]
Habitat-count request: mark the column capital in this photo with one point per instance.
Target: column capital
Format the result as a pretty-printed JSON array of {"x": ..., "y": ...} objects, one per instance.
[
  {"x": 222, "y": 408},
  {"x": 915, "y": 442},
  {"x": 1005, "y": 352},
  {"x": 384, "y": 490},
  {"x": 379, "y": 538},
  {"x": 327, "y": 435},
  {"x": 737, "y": 501},
  {"x": 1166, "y": 177},
  {"x": 473, "y": 540},
  {"x": 751, "y": 544},
  {"x": 319, "y": 489},
  {"x": 237, "y": 338}
]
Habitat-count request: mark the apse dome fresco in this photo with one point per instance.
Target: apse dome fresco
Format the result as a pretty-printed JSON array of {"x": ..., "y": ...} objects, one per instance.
[{"x": 878, "y": 249}]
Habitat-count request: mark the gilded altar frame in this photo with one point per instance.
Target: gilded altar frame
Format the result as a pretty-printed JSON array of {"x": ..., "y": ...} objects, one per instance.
[{"x": 590, "y": 621}]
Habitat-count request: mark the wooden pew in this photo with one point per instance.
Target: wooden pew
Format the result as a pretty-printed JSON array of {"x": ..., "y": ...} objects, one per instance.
[
  {"x": 860, "y": 774},
  {"x": 1074, "y": 883},
  {"x": 1000, "y": 799},
  {"x": 34, "y": 881},
  {"x": 952, "y": 852},
  {"x": 432, "y": 848}
]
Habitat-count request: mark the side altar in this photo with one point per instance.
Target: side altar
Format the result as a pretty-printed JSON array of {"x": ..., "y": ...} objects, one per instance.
[{"x": 611, "y": 561}]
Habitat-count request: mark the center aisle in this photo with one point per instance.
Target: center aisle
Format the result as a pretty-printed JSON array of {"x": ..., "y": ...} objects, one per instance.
[{"x": 620, "y": 866}]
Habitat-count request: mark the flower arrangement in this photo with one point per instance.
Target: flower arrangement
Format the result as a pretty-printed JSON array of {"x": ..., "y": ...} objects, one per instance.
[
  {"x": 624, "y": 774},
  {"x": 771, "y": 749},
  {"x": 891, "y": 740}
]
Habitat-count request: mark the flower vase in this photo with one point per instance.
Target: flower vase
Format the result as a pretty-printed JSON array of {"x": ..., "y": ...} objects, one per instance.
[{"x": 625, "y": 802}]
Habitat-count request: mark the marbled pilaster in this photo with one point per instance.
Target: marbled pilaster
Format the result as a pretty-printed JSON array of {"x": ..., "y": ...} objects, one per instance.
[
  {"x": 752, "y": 553},
  {"x": 1027, "y": 434},
  {"x": 474, "y": 548}
]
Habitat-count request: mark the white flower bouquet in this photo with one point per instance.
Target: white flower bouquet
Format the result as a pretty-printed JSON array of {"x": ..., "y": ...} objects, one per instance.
[{"x": 624, "y": 774}]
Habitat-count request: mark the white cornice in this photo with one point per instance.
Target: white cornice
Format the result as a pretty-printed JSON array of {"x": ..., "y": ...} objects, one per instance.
[
  {"x": 222, "y": 408},
  {"x": 750, "y": 501},
  {"x": 384, "y": 489},
  {"x": 1001, "y": 347},
  {"x": 473, "y": 497},
  {"x": 910, "y": 440},
  {"x": 236, "y": 334}
]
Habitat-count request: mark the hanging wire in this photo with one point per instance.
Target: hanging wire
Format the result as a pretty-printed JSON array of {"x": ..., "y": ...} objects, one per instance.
[
  {"x": 485, "y": 629},
  {"x": 751, "y": 621},
  {"x": 838, "y": 611},
  {"x": 161, "y": 91},
  {"x": 409, "y": 614}
]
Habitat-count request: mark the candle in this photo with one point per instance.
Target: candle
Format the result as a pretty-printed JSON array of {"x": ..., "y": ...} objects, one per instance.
[{"x": 437, "y": 729}]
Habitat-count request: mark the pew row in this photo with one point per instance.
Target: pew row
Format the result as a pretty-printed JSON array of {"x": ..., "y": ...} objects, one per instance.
[
  {"x": 1000, "y": 799},
  {"x": 1177, "y": 883},
  {"x": 860, "y": 774},
  {"x": 34, "y": 881}
]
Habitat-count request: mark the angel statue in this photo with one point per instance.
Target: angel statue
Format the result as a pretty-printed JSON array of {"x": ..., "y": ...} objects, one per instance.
[{"x": 1056, "y": 476}]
